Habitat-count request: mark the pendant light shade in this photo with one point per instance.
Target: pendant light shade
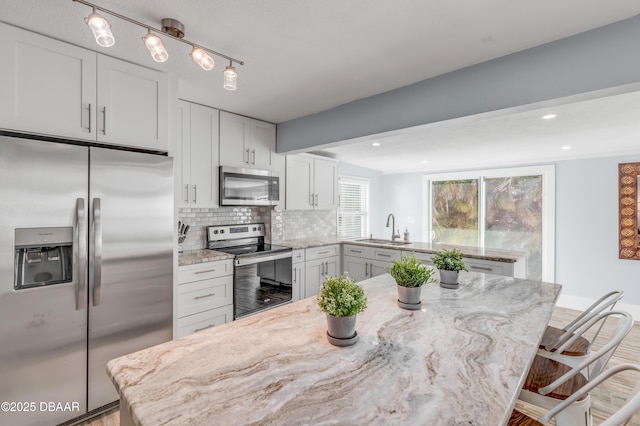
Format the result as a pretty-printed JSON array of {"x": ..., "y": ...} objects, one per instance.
[
  {"x": 201, "y": 58},
  {"x": 101, "y": 29},
  {"x": 156, "y": 48},
  {"x": 230, "y": 77}
]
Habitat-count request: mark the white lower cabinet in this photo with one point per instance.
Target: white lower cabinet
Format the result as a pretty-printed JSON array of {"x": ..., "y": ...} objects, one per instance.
[
  {"x": 362, "y": 262},
  {"x": 298, "y": 269},
  {"x": 320, "y": 262},
  {"x": 205, "y": 296}
]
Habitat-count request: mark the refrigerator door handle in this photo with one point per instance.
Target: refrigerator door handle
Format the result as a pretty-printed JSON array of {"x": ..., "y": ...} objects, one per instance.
[
  {"x": 80, "y": 253},
  {"x": 97, "y": 251}
]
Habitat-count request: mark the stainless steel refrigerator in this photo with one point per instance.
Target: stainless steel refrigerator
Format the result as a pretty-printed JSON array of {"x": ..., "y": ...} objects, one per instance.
[{"x": 86, "y": 271}]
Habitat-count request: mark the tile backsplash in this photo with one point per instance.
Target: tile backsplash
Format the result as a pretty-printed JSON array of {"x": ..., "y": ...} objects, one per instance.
[
  {"x": 199, "y": 219},
  {"x": 279, "y": 225},
  {"x": 292, "y": 224}
]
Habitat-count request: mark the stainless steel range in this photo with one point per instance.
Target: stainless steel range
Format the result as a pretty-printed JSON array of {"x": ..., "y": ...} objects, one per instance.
[{"x": 262, "y": 272}]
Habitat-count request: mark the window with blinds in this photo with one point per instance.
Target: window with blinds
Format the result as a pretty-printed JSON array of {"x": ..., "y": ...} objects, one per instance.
[{"x": 353, "y": 207}]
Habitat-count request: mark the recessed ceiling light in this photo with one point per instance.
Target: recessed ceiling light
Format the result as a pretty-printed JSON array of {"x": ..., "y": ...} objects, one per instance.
[
  {"x": 376, "y": 144},
  {"x": 566, "y": 148},
  {"x": 549, "y": 116}
]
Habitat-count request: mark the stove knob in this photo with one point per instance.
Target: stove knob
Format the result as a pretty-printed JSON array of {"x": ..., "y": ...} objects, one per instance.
[
  {"x": 254, "y": 228},
  {"x": 259, "y": 228},
  {"x": 222, "y": 231}
]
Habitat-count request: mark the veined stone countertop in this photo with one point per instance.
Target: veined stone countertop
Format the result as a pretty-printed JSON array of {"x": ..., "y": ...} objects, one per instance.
[
  {"x": 497, "y": 255},
  {"x": 461, "y": 359},
  {"x": 193, "y": 257}
]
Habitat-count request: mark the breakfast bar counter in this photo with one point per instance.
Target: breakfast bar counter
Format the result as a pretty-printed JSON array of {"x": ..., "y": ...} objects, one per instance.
[{"x": 461, "y": 359}]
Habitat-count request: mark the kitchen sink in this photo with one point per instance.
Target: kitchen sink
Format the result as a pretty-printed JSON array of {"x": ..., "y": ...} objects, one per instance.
[{"x": 383, "y": 241}]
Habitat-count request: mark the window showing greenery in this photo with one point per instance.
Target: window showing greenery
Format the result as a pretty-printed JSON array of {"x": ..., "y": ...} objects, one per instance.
[
  {"x": 510, "y": 209},
  {"x": 353, "y": 207},
  {"x": 455, "y": 212},
  {"x": 514, "y": 217}
]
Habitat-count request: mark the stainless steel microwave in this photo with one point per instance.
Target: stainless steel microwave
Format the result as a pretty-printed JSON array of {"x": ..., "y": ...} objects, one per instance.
[{"x": 241, "y": 186}]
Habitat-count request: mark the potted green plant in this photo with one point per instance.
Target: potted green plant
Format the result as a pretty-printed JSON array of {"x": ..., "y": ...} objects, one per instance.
[
  {"x": 341, "y": 299},
  {"x": 410, "y": 276},
  {"x": 449, "y": 264}
]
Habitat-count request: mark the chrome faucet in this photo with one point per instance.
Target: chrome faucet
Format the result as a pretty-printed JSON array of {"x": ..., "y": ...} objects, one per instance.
[{"x": 394, "y": 234}]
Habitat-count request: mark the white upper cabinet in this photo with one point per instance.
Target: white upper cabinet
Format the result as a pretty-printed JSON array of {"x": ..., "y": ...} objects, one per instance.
[
  {"x": 312, "y": 183},
  {"x": 246, "y": 142},
  {"x": 54, "y": 88},
  {"x": 48, "y": 87},
  {"x": 197, "y": 182},
  {"x": 132, "y": 105}
]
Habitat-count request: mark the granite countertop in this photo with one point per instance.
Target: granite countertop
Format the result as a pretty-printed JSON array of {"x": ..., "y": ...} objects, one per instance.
[
  {"x": 461, "y": 359},
  {"x": 498, "y": 255},
  {"x": 302, "y": 243},
  {"x": 193, "y": 257}
]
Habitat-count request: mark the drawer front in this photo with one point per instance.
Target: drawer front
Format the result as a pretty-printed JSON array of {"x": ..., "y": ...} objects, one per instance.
[
  {"x": 322, "y": 252},
  {"x": 194, "y": 323},
  {"x": 357, "y": 251},
  {"x": 386, "y": 254},
  {"x": 486, "y": 266},
  {"x": 203, "y": 295},
  {"x": 297, "y": 256},
  {"x": 204, "y": 271},
  {"x": 420, "y": 257}
]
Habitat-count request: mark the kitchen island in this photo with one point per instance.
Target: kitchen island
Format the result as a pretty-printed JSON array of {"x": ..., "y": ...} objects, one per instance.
[{"x": 461, "y": 359}]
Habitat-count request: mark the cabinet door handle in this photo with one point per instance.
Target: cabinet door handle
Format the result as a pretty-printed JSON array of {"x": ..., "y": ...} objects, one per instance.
[
  {"x": 247, "y": 151},
  {"x": 295, "y": 275},
  {"x": 371, "y": 269},
  {"x": 324, "y": 252},
  {"x": 205, "y": 272},
  {"x": 195, "y": 194},
  {"x": 186, "y": 193},
  {"x": 104, "y": 120},
  {"x": 355, "y": 251},
  {"x": 311, "y": 199},
  {"x": 383, "y": 255},
  {"x": 366, "y": 269},
  {"x": 322, "y": 268},
  {"x": 327, "y": 269},
  {"x": 253, "y": 151},
  {"x": 203, "y": 328},
  {"x": 316, "y": 200},
  {"x": 482, "y": 268},
  {"x": 204, "y": 296},
  {"x": 89, "y": 118}
]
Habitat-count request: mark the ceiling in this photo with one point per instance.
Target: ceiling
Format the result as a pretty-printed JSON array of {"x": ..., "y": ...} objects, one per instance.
[
  {"x": 590, "y": 125},
  {"x": 306, "y": 56}
]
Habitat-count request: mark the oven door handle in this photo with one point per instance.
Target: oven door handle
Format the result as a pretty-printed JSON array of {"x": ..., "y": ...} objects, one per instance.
[{"x": 259, "y": 259}]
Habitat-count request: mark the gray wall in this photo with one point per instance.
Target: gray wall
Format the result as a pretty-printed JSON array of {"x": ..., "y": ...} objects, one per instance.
[
  {"x": 602, "y": 58},
  {"x": 587, "y": 263}
]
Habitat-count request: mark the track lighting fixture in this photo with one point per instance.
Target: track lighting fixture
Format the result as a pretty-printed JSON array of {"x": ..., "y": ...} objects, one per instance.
[
  {"x": 101, "y": 29},
  {"x": 201, "y": 58},
  {"x": 156, "y": 48},
  {"x": 171, "y": 28},
  {"x": 230, "y": 77}
]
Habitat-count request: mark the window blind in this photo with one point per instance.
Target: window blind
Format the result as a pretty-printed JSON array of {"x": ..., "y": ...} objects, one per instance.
[{"x": 353, "y": 206}]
